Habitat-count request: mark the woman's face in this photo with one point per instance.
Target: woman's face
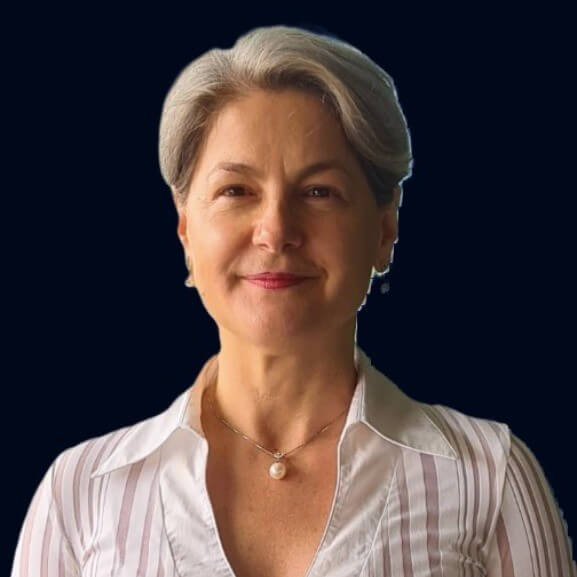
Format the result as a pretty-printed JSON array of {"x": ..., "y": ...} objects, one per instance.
[{"x": 278, "y": 215}]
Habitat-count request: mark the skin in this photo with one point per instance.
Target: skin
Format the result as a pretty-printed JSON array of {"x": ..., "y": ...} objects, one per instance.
[{"x": 286, "y": 362}]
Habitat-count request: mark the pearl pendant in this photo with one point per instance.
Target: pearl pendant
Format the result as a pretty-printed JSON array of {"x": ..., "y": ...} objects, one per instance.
[{"x": 278, "y": 469}]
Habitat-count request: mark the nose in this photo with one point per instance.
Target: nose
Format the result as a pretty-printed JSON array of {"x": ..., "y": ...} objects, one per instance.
[{"x": 277, "y": 226}]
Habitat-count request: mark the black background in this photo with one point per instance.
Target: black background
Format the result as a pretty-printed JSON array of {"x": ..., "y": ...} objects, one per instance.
[{"x": 101, "y": 331}]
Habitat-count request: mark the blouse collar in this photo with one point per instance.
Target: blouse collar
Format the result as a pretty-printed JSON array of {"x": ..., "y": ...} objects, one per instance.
[{"x": 377, "y": 402}]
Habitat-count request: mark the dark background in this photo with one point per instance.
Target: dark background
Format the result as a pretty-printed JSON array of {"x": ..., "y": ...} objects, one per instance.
[{"x": 478, "y": 316}]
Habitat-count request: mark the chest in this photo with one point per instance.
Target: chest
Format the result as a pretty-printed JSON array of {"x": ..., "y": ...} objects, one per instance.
[
  {"x": 271, "y": 527},
  {"x": 151, "y": 518}
]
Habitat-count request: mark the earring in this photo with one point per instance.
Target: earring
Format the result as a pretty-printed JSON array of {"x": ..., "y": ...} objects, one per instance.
[
  {"x": 385, "y": 285},
  {"x": 381, "y": 268},
  {"x": 189, "y": 282}
]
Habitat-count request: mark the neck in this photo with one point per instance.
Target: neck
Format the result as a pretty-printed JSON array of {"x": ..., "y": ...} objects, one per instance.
[{"x": 282, "y": 400}]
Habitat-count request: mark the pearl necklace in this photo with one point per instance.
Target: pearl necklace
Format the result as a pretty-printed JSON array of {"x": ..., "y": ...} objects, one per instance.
[{"x": 278, "y": 469}]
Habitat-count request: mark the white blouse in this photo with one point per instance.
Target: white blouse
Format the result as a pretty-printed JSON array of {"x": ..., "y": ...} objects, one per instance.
[{"x": 422, "y": 491}]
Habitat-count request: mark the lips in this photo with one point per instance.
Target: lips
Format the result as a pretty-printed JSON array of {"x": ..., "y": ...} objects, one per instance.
[
  {"x": 275, "y": 276},
  {"x": 277, "y": 283}
]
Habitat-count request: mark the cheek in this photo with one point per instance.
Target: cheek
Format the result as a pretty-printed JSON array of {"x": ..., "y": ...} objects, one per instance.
[
  {"x": 353, "y": 248},
  {"x": 211, "y": 245}
]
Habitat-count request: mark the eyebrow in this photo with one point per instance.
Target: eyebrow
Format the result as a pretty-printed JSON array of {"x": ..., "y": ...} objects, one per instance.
[{"x": 307, "y": 171}]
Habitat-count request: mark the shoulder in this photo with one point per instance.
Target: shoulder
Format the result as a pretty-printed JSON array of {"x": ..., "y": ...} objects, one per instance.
[
  {"x": 79, "y": 461},
  {"x": 63, "y": 503},
  {"x": 482, "y": 445},
  {"x": 80, "y": 470},
  {"x": 475, "y": 481},
  {"x": 71, "y": 475}
]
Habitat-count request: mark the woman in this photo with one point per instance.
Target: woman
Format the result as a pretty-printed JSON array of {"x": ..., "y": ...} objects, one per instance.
[{"x": 292, "y": 454}]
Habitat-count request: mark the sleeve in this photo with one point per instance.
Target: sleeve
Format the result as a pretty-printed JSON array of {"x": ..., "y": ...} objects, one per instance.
[
  {"x": 43, "y": 549},
  {"x": 531, "y": 537}
]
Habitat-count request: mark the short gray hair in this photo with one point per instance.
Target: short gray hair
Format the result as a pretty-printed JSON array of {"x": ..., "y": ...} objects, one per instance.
[{"x": 360, "y": 92}]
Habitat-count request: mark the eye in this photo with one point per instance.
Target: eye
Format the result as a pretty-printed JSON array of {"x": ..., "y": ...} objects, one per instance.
[
  {"x": 328, "y": 191},
  {"x": 229, "y": 188}
]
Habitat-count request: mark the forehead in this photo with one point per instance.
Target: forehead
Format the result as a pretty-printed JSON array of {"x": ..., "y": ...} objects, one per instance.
[{"x": 289, "y": 123}]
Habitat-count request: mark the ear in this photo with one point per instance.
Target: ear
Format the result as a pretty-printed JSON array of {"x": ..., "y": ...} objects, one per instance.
[
  {"x": 182, "y": 221},
  {"x": 389, "y": 228}
]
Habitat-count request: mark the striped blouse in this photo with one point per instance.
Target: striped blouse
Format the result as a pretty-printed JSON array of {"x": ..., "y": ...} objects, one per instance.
[{"x": 422, "y": 490}]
